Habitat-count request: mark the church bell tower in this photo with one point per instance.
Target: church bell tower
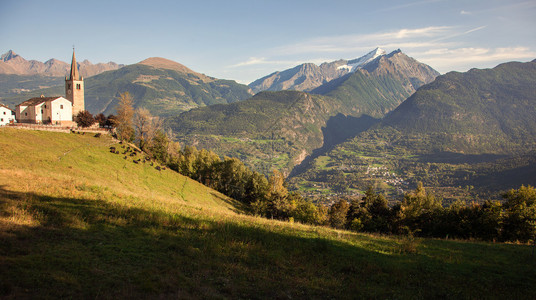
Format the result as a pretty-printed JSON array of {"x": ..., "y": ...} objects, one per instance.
[{"x": 74, "y": 88}]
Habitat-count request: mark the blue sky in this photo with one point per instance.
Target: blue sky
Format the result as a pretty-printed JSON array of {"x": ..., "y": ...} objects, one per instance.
[{"x": 246, "y": 40}]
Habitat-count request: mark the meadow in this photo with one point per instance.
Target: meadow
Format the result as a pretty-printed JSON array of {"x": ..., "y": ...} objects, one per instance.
[{"x": 77, "y": 221}]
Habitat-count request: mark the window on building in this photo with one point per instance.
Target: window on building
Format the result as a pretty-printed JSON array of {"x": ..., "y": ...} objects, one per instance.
[
  {"x": 68, "y": 86},
  {"x": 2, "y": 120},
  {"x": 25, "y": 114},
  {"x": 41, "y": 111},
  {"x": 78, "y": 86},
  {"x": 61, "y": 106},
  {"x": 45, "y": 106},
  {"x": 4, "y": 113}
]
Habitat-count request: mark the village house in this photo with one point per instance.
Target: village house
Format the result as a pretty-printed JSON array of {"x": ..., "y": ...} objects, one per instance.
[
  {"x": 7, "y": 115},
  {"x": 55, "y": 110},
  {"x": 45, "y": 110}
]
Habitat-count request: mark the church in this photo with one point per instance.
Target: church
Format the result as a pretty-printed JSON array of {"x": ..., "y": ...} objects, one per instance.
[{"x": 55, "y": 110}]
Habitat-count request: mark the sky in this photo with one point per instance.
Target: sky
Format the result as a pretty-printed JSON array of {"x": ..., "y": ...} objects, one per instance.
[{"x": 244, "y": 40}]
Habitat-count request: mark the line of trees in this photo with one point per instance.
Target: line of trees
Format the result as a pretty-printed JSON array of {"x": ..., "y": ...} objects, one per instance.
[
  {"x": 419, "y": 213},
  {"x": 423, "y": 214}
]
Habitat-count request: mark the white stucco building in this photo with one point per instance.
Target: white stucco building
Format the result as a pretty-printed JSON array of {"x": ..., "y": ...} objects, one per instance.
[
  {"x": 45, "y": 110},
  {"x": 55, "y": 110},
  {"x": 7, "y": 115}
]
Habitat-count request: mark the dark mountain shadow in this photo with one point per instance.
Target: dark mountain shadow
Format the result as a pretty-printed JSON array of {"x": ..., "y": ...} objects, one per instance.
[
  {"x": 330, "y": 85},
  {"x": 338, "y": 129},
  {"x": 508, "y": 179},
  {"x": 459, "y": 158}
]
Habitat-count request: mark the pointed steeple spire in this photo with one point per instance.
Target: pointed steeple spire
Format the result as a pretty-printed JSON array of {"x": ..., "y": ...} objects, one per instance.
[{"x": 74, "y": 69}]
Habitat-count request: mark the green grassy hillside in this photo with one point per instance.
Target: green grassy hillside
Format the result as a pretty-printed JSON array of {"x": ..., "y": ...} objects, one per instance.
[{"x": 77, "y": 221}]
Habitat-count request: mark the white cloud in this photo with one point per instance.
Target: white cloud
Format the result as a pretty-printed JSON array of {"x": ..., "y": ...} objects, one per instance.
[
  {"x": 252, "y": 61},
  {"x": 362, "y": 42},
  {"x": 255, "y": 61},
  {"x": 464, "y": 12},
  {"x": 463, "y": 59},
  {"x": 475, "y": 29},
  {"x": 438, "y": 46}
]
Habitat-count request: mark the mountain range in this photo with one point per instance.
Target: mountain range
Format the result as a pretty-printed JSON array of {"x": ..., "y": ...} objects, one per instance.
[
  {"x": 12, "y": 63},
  {"x": 466, "y": 135},
  {"x": 163, "y": 86},
  {"x": 382, "y": 120},
  {"x": 307, "y": 76},
  {"x": 282, "y": 128}
]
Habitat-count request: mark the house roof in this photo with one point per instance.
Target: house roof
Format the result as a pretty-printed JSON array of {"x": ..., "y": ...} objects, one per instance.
[
  {"x": 38, "y": 100},
  {"x": 2, "y": 105}
]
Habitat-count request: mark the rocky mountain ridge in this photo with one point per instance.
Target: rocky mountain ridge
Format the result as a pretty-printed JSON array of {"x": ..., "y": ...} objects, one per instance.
[
  {"x": 163, "y": 86},
  {"x": 12, "y": 63},
  {"x": 308, "y": 76}
]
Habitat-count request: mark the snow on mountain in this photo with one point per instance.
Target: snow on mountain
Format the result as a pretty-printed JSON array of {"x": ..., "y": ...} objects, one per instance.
[{"x": 355, "y": 64}]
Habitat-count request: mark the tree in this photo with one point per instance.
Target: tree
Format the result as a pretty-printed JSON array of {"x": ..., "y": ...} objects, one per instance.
[
  {"x": 520, "y": 214},
  {"x": 371, "y": 213},
  {"x": 419, "y": 210},
  {"x": 110, "y": 121},
  {"x": 377, "y": 208},
  {"x": 84, "y": 119},
  {"x": 123, "y": 121},
  {"x": 147, "y": 127},
  {"x": 338, "y": 213},
  {"x": 309, "y": 213},
  {"x": 159, "y": 147},
  {"x": 256, "y": 188},
  {"x": 101, "y": 119},
  {"x": 277, "y": 196}
]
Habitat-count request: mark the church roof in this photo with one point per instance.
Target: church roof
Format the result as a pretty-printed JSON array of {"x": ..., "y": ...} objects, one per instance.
[
  {"x": 37, "y": 100},
  {"x": 74, "y": 75}
]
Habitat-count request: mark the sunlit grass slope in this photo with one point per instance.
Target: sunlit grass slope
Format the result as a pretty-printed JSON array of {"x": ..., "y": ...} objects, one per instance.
[
  {"x": 79, "y": 166},
  {"x": 77, "y": 221}
]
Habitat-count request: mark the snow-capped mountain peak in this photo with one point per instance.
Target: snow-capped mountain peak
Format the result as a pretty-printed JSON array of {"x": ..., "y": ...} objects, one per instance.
[{"x": 357, "y": 63}]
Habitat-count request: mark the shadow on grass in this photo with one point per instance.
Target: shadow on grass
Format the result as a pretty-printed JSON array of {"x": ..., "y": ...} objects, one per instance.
[
  {"x": 237, "y": 206},
  {"x": 80, "y": 248}
]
